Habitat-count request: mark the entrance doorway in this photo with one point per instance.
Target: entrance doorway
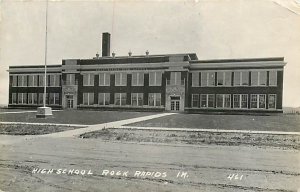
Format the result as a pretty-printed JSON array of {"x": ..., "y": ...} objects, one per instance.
[
  {"x": 70, "y": 101},
  {"x": 175, "y": 103}
]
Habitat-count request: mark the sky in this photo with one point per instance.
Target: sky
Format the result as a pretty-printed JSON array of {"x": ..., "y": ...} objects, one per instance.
[{"x": 214, "y": 29}]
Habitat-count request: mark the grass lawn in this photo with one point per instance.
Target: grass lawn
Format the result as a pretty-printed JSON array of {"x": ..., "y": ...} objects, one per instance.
[
  {"x": 74, "y": 117},
  {"x": 195, "y": 138},
  {"x": 229, "y": 122},
  {"x": 18, "y": 129}
]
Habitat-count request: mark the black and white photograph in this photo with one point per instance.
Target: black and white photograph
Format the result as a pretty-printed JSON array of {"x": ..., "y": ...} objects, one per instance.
[{"x": 149, "y": 95}]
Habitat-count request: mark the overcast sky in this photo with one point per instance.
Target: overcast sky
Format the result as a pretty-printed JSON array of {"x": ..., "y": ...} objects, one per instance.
[{"x": 213, "y": 29}]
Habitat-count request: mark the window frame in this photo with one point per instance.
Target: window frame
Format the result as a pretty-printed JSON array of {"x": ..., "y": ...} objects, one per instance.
[
  {"x": 156, "y": 97},
  {"x": 259, "y": 78},
  {"x": 205, "y": 81},
  {"x": 224, "y": 78},
  {"x": 106, "y": 79},
  {"x": 14, "y": 80},
  {"x": 119, "y": 96},
  {"x": 275, "y": 101},
  {"x": 258, "y": 100},
  {"x": 196, "y": 81},
  {"x": 137, "y": 96},
  {"x": 24, "y": 81},
  {"x": 14, "y": 95},
  {"x": 90, "y": 81},
  {"x": 197, "y": 100},
  {"x": 207, "y": 100},
  {"x": 240, "y": 96},
  {"x": 104, "y": 99},
  {"x": 223, "y": 101},
  {"x": 88, "y": 94},
  {"x": 121, "y": 83},
  {"x": 269, "y": 79},
  {"x": 157, "y": 78},
  {"x": 138, "y": 76}
]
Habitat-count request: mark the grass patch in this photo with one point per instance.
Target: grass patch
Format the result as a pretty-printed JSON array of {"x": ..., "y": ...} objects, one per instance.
[
  {"x": 73, "y": 117},
  {"x": 20, "y": 129},
  {"x": 184, "y": 137},
  {"x": 288, "y": 123}
]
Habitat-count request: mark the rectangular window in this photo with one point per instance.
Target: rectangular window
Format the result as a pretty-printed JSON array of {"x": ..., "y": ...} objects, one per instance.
[
  {"x": 195, "y": 100},
  {"x": 137, "y": 99},
  {"x": 70, "y": 79},
  {"x": 54, "y": 98},
  {"x": 120, "y": 98},
  {"x": 22, "y": 80},
  {"x": 195, "y": 79},
  {"x": 88, "y": 98},
  {"x": 154, "y": 99},
  {"x": 207, "y": 100},
  {"x": 175, "y": 78},
  {"x": 14, "y": 98},
  {"x": 241, "y": 78},
  {"x": 41, "y": 80},
  {"x": 273, "y": 78},
  {"x": 54, "y": 80},
  {"x": 32, "y": 98},
  {"x": 236, "y": 101},
  {"x": 155, "y": 78},
  {"x": 254, "y": 78},
  {"x": 253, "y": 101},
  {"x": 88, "y": 79},
  {"x": 14, "y": 81},
  {"x": 120, "y": 79},
  {"x": 104, "y": 99},
  {"x": 272, "y": 101},
  {"x": 258, "y": 101},
  {"x": 262, "y": 78},
  {"x": 258, "y": 78},
  {"x": 32, "y": 80},
  {"x": 207, "y": 79},
  {"x": 104, "y": 79},
  {"x": 40, "y": 98},
  {"x": 240, "y": 101},
  {"x": 244, "y": 101},
  {"x": 22, "y": 98},
  {"x": 223, "y": 100},
  {"x": 224, "y": 78},
  {"x": 137, "y": 79}
]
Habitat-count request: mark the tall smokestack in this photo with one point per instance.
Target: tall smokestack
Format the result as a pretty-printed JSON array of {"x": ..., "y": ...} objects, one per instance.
[{"x": 105, "y": 44}]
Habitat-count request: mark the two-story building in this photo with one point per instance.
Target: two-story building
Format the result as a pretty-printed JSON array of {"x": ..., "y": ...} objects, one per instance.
[{"x": 168, "y": 82}]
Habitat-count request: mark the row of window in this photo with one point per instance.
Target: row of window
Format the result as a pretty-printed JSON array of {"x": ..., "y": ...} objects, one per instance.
[
  {"x": 240, "y": 101},
  {"x": 240, "y": 78},
  {"x": 155, "y": 79},
  {"x": 35, "y": 98},
  {"x": 137, "y": 99},
  {"x": 35, "y": 80}
]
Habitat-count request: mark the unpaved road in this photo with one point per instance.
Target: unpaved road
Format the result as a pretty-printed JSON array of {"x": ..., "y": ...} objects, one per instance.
[{"x": 207, "y": 166}]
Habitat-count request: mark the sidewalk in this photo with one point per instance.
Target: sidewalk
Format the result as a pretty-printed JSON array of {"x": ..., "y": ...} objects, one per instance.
[{"x": 114, "y": 124}]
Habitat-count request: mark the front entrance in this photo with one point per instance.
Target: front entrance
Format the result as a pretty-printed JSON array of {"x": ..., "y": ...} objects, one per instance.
[
  {"x": 175, "y": 103},
  {"x": 69, "y": 101}
]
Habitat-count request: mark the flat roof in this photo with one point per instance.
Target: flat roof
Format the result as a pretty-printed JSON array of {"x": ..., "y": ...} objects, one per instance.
[{"x": 239, "y": 60}]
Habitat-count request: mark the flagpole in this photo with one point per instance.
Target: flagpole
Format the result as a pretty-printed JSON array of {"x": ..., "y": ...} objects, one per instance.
[
  {"x": 46, "y": 41},
  {"x": 43, "y": 112}
]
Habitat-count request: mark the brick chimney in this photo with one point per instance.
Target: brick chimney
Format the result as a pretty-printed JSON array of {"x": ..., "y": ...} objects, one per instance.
[{"x": 105, "y": 44}]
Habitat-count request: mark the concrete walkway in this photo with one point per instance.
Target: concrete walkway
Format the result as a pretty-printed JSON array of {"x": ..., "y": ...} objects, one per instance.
[{"x": 114, "y": 124}]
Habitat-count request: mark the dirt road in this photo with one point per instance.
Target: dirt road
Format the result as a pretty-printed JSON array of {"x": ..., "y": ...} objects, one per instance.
[{"x": 142, "y": 167}]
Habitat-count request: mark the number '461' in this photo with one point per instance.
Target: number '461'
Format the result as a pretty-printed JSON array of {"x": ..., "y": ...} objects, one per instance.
[{"x": 235, "y": 177}]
